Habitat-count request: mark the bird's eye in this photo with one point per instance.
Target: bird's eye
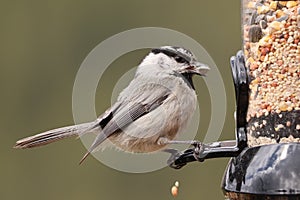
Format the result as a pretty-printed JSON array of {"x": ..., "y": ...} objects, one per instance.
[{"x": 179, "y": 59}]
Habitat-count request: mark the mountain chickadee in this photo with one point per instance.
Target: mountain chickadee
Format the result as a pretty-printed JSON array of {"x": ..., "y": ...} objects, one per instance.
[{"x": 149, "y": 113}]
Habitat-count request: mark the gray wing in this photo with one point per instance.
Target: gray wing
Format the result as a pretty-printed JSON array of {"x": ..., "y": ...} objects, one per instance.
[{"x": 127, "y": 112}]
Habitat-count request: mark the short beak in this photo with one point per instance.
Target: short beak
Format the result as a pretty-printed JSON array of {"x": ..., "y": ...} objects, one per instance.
[{"x": 196, "y": 68}]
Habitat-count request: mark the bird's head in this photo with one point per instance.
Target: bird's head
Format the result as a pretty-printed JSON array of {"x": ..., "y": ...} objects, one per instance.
[
  {"x": 176, "y": 59},
  {"x": 173, "y": 60},
  {"x": 180, "y": 60}
]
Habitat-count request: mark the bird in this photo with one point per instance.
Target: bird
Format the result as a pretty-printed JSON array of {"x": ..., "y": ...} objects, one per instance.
[{"x": 148, "y": 114}]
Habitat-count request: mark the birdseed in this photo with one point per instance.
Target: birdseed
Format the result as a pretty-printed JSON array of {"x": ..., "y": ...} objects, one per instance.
[{"x": 272, "y": 53}]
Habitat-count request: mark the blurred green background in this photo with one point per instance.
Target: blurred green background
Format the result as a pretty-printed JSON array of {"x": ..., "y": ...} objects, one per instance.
[{"x": 43, "y": 44}]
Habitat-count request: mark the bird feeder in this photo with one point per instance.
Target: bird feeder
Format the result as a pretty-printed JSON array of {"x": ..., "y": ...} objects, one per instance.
[{"x": 265, "y": 161}]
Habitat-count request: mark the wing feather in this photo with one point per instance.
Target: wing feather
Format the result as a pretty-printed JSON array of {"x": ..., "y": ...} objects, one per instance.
[{"x": 126, "y": 113}]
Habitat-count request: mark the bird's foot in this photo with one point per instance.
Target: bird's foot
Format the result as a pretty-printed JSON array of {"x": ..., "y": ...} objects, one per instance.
[{"x": 199, "y": 148}]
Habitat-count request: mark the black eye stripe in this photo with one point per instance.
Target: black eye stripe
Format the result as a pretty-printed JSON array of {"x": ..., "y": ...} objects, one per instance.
[{"x": 178, "y": 56}]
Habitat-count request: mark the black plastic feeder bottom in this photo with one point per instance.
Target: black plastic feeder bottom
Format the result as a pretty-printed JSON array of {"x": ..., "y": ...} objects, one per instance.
[{"x": 264, "y": 172}]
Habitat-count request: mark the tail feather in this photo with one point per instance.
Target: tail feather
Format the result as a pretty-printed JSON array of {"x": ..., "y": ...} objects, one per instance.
[
  {"x": 52, "y": 136},
  {"x": 99, "y": 139},
  {"x": 84, "y": 157}
]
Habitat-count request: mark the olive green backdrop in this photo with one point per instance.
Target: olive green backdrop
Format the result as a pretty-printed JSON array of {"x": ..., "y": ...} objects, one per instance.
[{"x": 42, "y": 46}]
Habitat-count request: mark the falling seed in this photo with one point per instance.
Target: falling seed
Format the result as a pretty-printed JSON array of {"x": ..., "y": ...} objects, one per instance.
[
  {"x": 174, "y": 191},
  {"x": 177, "y": 184}
]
